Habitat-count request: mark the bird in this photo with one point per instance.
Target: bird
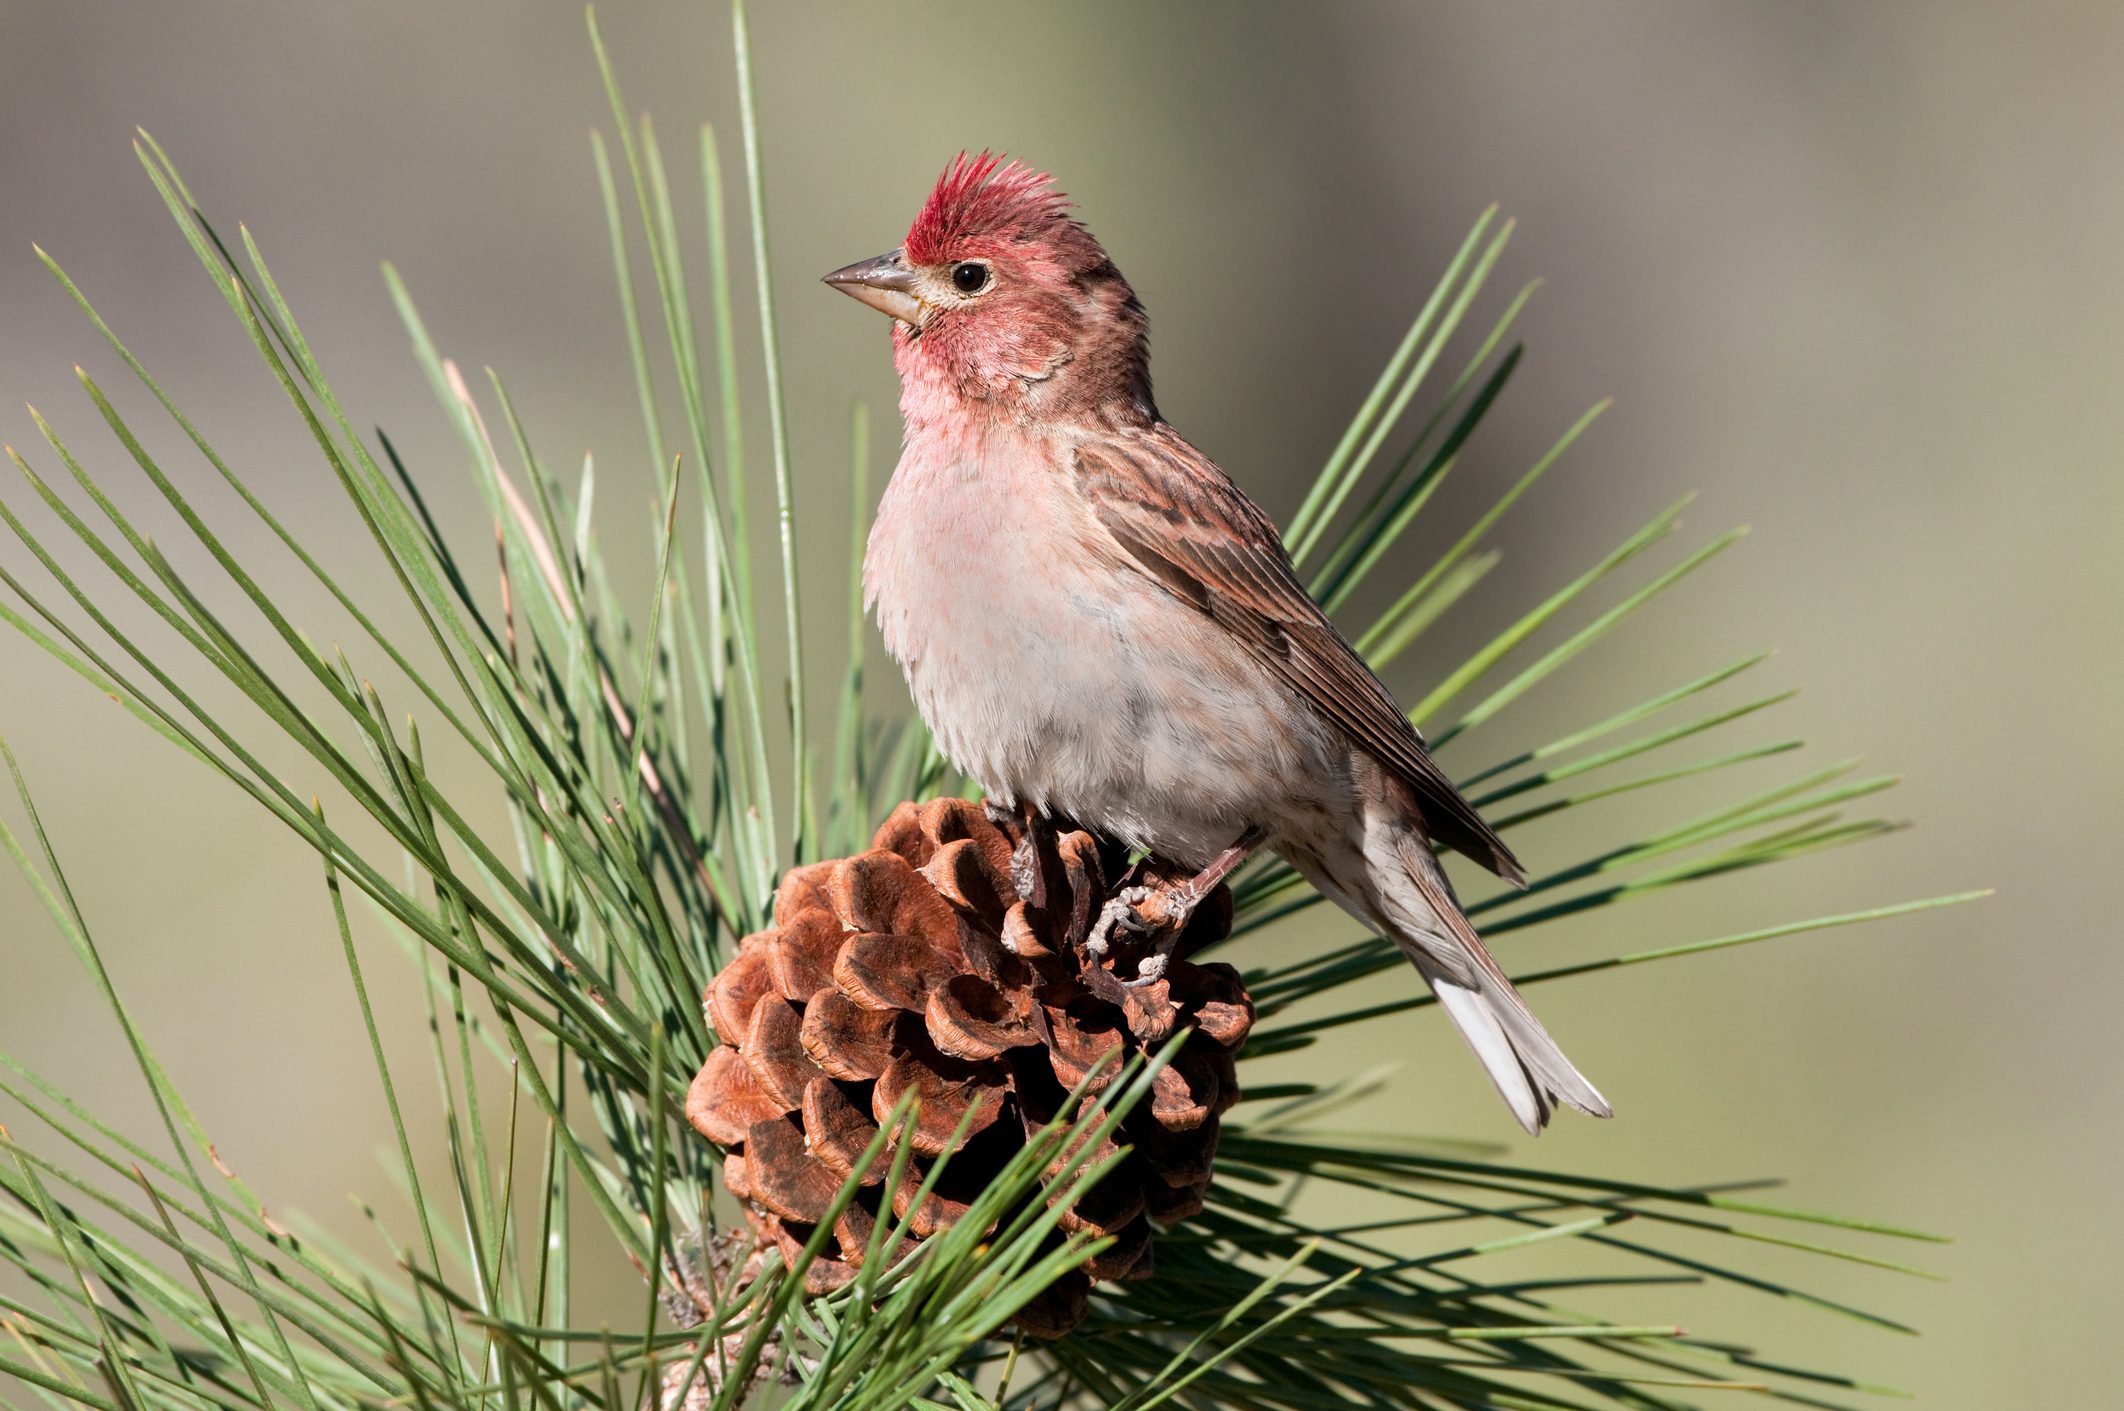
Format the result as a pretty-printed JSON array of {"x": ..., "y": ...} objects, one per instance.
[{"x": 1098, "y": 625}]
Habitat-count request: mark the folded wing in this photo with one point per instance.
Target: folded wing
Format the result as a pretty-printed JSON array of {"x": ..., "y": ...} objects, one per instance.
[{"x": 1183, "y": 521}]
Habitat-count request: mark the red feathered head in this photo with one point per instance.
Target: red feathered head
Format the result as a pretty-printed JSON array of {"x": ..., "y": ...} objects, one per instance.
[
  {"x": 1001, "y": 301},
  {"x": 985, "y": 200}
]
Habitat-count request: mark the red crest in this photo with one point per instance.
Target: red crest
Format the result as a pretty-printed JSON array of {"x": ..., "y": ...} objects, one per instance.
[{"x": 982, "y": 196}]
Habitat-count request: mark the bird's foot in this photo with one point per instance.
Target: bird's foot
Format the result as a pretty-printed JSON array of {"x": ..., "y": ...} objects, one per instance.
[
  {"x": 1118, "y": 917},
  {"x": 1154, "y": 914},
  {"x": 1165, "y": 914},
  {"x": 1161, "y": 912}
]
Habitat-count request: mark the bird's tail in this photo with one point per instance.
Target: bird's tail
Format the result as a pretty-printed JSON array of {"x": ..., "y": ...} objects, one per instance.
[{"x": 1423, "y": 918}]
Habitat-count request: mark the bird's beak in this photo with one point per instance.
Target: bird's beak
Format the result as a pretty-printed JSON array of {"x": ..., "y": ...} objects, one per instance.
[{"x": 885, "y": 283}]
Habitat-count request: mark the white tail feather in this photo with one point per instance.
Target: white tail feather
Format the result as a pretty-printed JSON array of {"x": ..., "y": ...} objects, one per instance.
[
  {"x": 1530, "y": 1071},
  {"x": 1493, "y": 1046},
  {"x": 1413, "y": 905}
]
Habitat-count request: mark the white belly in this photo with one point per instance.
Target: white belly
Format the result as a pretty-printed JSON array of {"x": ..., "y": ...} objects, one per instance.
[{"x": 1055, "y": 675}]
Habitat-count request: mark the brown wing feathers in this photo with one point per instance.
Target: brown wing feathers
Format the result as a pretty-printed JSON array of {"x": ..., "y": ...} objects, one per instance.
[{"x": 1183, "y": 521}]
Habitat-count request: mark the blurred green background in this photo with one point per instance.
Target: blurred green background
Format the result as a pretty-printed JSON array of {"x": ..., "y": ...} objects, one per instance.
[{"x": 1853, "y": 272}]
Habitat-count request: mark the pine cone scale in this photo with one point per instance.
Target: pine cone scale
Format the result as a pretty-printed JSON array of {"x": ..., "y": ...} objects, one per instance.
[
  {"x": 972, "y": 1019},
  {"x": 803, "y": 889},
  {"x": 784, "y": 1175},
  {"x": 948, "y": 1099},
  {"x": 839, "y": 1132},
  {"x": 879, "y": 891},
  {"x": 889, "y": 972},
  {"x": 802, "y": 954},
  {"x": 725, "y": 1099},
  {"x": 774, "y": 1052},
  {"x": 962, "y": 876},
  {"x": 844, "y": 1038},
  {"x": 743, "y": 983}
]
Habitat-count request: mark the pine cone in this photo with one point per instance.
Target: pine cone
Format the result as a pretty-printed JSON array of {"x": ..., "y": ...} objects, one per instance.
[{"x": 931, "y": 962}]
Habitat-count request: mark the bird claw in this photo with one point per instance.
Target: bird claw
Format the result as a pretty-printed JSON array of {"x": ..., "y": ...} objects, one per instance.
[
  {"x": 1142, "y": 913},
  {"x": 1151, "y": 969},
  {"x": 1119, "y": 914}
]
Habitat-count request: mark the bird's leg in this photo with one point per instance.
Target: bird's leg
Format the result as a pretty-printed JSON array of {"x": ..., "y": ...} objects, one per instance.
[
  {"x": 1036, "y": 834},
  {"x": 1165, "y": 911},
  {"x": 1170, "y": 910}
]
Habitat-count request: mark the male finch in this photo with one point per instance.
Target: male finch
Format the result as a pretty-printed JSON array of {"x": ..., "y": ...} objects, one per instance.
[{"x": 1098, "y": 625}]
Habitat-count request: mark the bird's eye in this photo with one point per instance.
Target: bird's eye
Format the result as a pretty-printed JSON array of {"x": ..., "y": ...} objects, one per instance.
[{"x": 969, "y": 276}]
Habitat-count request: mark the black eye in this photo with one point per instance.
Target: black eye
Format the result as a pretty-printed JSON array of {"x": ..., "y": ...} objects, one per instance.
[{"x": 969, "y": 276}]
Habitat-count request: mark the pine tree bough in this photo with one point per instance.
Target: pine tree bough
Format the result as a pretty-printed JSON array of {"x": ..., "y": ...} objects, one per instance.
[
  {"x": 919, "y": 965},
  {"x": 700, "y": 1279}
]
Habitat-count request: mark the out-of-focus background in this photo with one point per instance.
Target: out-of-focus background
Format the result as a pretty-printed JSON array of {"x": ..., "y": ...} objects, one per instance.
[{"x": 1853, "y": 272}]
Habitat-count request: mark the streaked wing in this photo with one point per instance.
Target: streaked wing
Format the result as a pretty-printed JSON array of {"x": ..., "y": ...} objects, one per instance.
[{"x": 1182, "y": 520}]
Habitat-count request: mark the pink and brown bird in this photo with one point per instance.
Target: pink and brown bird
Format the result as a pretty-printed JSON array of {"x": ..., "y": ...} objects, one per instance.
[{"x": 1098, "y": 625}]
